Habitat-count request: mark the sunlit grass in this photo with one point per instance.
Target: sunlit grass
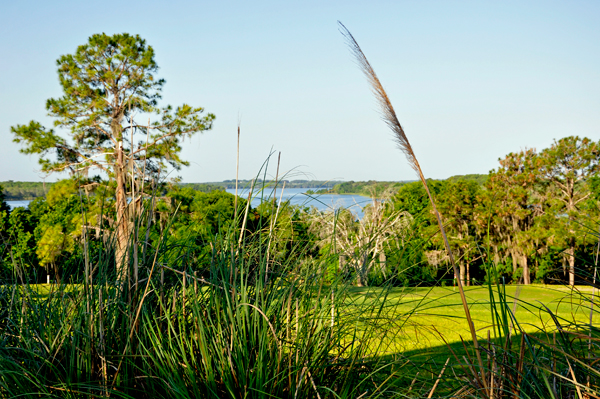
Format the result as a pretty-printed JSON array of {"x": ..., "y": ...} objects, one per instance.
[{"x": 431, "y": 316}]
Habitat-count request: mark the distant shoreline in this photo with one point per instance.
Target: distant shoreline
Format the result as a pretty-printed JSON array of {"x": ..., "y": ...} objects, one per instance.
[{"x": 28, "y": 191}]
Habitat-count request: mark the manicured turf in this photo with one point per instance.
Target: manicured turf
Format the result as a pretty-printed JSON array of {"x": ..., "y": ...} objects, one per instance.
[
  {"x": 414, "y": 325},
  {"x": 430, "y": 322},
  {"x": 422, "y": 316},
  {"x": 427, "y": 313}
]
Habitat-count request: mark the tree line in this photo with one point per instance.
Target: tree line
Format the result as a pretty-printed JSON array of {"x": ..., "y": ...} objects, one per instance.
[
  {"x": 535, "y": 219},
  {"x": 24, "y": 190},
  {"x": 536, "y": 211}
]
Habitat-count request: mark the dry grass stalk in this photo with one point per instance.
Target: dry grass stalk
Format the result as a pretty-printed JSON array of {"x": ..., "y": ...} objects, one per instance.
[
  {"x": 245, "y": 216},
  {"x": 390, "y": 118},
  {"x": 579, "y": 395},
  {"x": 413, "y": 381},
  {"x": 437, "y": 381},
  {"x": 237, "y": 173}
]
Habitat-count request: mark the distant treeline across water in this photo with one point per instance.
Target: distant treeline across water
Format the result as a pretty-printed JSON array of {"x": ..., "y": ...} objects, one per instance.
[
  {"x": 27, "y": 190},
  {"x": 24, "y": 190}
]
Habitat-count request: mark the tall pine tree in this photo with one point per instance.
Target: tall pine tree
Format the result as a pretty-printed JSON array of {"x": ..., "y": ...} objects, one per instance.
[{"x": 107, "y": 83}]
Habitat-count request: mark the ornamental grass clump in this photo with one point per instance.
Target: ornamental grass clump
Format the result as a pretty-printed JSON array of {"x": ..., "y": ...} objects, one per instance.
[{"x": 242, "y": 325}]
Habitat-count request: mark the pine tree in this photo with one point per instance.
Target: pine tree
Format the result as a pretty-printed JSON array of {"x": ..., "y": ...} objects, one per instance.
[{"x": 108, "y": 84}]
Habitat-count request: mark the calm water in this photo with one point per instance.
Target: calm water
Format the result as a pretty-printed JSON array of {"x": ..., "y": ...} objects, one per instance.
[
  {"x": 320, "y": 201},
  {"x": 16, "y": 204},
  {"x": 296, "y": 196}
]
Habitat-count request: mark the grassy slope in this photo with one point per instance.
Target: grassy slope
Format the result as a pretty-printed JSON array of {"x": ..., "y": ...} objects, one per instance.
[
  {"x": 416, "y": 313},
  {"x": 426, "y": 311},
  {"x": 439, "y": 308}
]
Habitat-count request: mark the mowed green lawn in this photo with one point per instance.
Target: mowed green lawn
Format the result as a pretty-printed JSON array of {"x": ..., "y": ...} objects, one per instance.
[
  {"x": 418, "y": 318},
  {"x": 411, "y": 326},
  {"x": 422, "y": 316}
]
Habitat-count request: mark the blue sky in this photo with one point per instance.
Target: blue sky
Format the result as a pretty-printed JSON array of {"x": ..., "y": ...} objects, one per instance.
[{"x": 470, "y": 81}]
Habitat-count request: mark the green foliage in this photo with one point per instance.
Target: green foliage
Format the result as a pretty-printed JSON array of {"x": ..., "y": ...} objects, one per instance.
[
  {"x": 48, "y": 233},
  {"x": 594, "y": 185},
  {"x": 533, "y": 211},
  {"x": 411, "y": 263},
  {"x": 371, "y": 188},
  {"x": 52, "y": 243},
  {"x": 518, "y": 221},
  {"x": 198, "y": 213},
  {"x": 203, "y": 187},
  {"x": 412, "y": 198},
  {"x": 565, "y": 168},
  {"x": 4, "y": 213},
  {"x": 20, "y": 240},
  {"x": 198, "y": 219},
  {"x": 477, "y": 178},
  {"x": 287, "y": 228},
  {"x": 61, "y": 191},
  {"x": 537, "y": 206}
]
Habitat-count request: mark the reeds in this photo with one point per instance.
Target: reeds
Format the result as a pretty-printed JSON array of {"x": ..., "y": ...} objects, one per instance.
[{"x": 223, "y": 330}]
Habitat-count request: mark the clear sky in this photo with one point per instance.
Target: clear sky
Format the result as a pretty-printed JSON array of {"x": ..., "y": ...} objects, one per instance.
[{"x": 470, "y": 81}]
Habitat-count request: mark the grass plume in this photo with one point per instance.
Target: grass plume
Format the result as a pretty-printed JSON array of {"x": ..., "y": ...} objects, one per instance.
[{"x": 389, "y": 117}]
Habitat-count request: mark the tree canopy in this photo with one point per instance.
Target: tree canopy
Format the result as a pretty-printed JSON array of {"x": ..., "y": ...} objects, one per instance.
[{"x": 108, "y": 120}]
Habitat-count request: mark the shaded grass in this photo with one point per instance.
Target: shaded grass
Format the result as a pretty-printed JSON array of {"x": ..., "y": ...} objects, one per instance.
[
  {"x": 431, "y": 311},
  {"x": 384, "y": 340}
]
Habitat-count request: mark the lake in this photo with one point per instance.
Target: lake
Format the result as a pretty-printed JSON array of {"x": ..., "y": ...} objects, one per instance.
[
  {"x": 320, "y": 201},
  {"x": 296, "y": 196},
  {"x": 17, "y": 204}
]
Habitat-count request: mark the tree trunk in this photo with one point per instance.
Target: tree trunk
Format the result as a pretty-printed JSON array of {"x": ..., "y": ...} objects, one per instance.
[
  {"x": 360, "y": 281},
  {"x": 468, "y": 274},
  {"x": 122, "y": 227},
  {"x": 571, "y": 258},
  {"x": 526, "y": 278},
  {"x": 514, "y": 261},
  {"x": 362, "y": 271},
  {"x": 56, "y": 273},
  {"x": 462, "y": 273}
]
